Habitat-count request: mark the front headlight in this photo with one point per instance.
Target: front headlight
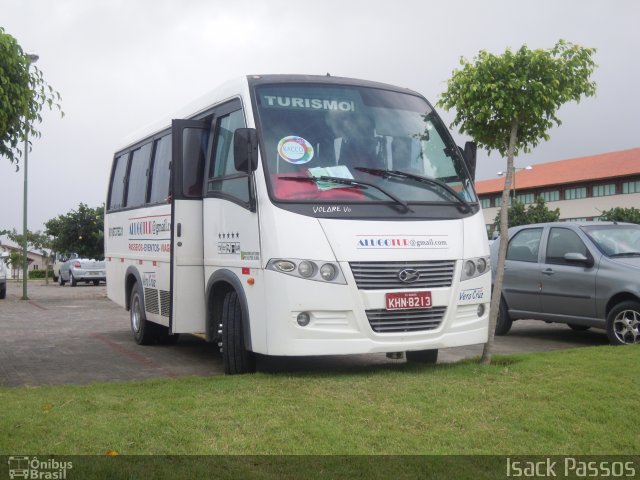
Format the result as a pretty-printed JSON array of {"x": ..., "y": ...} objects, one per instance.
[
  {"x": 318, "y": 271},
  {"x": 474, "y": 267}
]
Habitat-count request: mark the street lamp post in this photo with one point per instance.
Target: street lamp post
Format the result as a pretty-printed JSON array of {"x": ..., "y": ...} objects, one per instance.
[
  {"x": 31, "y": 58},
  {"x": 515, "y": 169}
]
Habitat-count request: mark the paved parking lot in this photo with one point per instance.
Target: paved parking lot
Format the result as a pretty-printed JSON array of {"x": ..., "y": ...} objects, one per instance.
[{"x": 77, "y": 335}]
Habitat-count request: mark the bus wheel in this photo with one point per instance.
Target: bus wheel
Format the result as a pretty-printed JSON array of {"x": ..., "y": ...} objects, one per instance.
[
  {"x": 236, "y": 358},
  {"x": 143, "y": 331},
  {"x": 423, "y": 356}
]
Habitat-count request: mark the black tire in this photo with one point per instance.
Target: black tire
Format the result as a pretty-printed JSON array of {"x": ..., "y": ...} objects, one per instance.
[
  {"x": 3, "y": 292},
  {"x": 236, "y": 358},
  {"x": 578, "y": 328},
  {"x": 144, "y": 332},
  {"x": 423, "y": 356},
  {"x": 504, "y": 322},
  {"x": 623, "y": 323},
  {"x": 96, "y": 283},
  {"x": 72, "y": 280},
  {"x": 61, "y": 281}
]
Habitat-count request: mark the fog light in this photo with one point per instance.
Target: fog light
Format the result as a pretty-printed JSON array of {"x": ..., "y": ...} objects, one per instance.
[
  {"x": 303, "y": 319},
  {"x": 481, "y": 309}
]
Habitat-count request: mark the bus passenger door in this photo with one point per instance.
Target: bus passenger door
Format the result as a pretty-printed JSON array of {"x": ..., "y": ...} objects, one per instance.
[{"x": 190, "y": 142}]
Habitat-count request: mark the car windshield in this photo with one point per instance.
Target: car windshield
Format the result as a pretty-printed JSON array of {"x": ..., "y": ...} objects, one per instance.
[
  {"x": 616, "y": 240},
  {"x": 391, "y": 145}
]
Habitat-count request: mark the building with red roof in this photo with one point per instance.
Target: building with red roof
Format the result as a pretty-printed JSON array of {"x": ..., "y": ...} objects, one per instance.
[{"x": 581, "y": 188}]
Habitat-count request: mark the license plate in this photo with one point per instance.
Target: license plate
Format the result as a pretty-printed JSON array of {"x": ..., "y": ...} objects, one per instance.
[{"x": 407, "y": 300}]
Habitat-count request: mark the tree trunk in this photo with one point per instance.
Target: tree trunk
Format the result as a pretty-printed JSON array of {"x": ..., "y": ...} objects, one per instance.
[{"x": 496, "y": 295}]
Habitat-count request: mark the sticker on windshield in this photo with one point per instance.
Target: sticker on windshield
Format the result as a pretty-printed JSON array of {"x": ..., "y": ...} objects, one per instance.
[{"x": 295, "y": 150}]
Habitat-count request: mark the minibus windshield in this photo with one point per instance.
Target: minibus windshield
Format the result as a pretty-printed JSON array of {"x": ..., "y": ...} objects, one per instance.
[{"x": 391, "y": 144}]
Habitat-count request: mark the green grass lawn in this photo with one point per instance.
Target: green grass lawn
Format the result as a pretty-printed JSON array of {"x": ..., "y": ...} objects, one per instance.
[{"x": 581, "y": 401}]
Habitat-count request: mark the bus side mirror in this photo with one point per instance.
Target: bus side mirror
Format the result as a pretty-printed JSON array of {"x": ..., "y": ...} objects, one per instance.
[
  {"x": 245, "y": 149},
  {"x": 469, "y": 154}
]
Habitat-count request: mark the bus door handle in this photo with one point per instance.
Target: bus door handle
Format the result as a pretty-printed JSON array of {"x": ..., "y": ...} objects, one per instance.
[{"x": 179, "y": 230}]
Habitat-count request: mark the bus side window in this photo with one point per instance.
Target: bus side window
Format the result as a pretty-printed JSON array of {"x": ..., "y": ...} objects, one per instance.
[
  {"x": 137, "y": 180},
  {"x": 223, "y": 176},
  {"x": 116, "y": 189},
  {"x": 160, "y": 173}
]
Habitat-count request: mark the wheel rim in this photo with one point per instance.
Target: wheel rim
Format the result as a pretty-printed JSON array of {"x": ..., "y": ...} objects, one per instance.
[
  {"x": 626, "y": 326},
  {"x": 135, "y": 315}
]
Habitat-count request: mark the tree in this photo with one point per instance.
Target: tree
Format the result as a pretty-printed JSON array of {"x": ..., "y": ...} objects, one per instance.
[
  {"x": 79, "y": 231},
  {"x": 23, "y": 95},
  {"x": 619, "y": 214},
  {"x": 535, "y": 213},
  {"x": 508, "y": 103}
]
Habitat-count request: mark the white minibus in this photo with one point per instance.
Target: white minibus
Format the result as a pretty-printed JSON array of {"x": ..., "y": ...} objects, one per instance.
[{"x": 296, "y": 215}]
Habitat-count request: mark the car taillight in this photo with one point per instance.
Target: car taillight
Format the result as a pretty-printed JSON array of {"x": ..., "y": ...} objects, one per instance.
[{"x": 77, "y": 264}]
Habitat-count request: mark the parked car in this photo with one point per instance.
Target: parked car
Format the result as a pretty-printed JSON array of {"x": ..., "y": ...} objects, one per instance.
[
  {"x": 56, "y": 260},
  {"x": 82, "y": 270},
  {"x": 584, "y": 274},
  {"x": 3, "y": 275}
]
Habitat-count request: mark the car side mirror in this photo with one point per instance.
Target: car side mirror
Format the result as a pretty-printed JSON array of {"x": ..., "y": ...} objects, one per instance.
[
  {"x": 578, "y": 258},
  {"x": 245, "y": 149}
]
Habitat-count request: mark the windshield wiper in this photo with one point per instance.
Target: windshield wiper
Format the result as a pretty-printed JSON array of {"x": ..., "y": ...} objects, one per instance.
[
  {"x": 625, "y": 254},
  {"x": 352, "y": 183},
  {"x": 418, "y": 178}
]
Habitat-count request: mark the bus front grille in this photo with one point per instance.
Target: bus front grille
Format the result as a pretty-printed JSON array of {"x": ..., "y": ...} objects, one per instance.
[
  {"x": 386, "y": 275},
  {"x": 398, "y": 321}
]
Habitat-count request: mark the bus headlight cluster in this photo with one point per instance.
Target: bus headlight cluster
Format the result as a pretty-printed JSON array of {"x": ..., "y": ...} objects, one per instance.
[
  {"x": 310, "y": 269},
  {"x": 474, "y": 267}
]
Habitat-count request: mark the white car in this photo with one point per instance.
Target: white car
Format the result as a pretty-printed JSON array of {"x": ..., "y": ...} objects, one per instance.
[{"x": 3, "y": 275}]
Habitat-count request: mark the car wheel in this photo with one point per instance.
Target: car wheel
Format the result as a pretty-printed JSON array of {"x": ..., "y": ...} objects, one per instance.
[
  {"x": 578, "y": 328},
  {"x": 423, "y": 356},
  {"x": 504, "y": 322},
  {"x": 3, "y": 292},
  {"x": 144, "y": 332},
  {"x": 96, "y": 282},
  {"x": 72, "y": 280},
  {"x": 236, "y": 358},
  {"x": 623, "y": 323},
  {"x": 61, "y": 281}
]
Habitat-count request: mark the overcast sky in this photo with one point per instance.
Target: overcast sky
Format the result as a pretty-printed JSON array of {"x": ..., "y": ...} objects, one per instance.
[{"x": 122, "y": 64}]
